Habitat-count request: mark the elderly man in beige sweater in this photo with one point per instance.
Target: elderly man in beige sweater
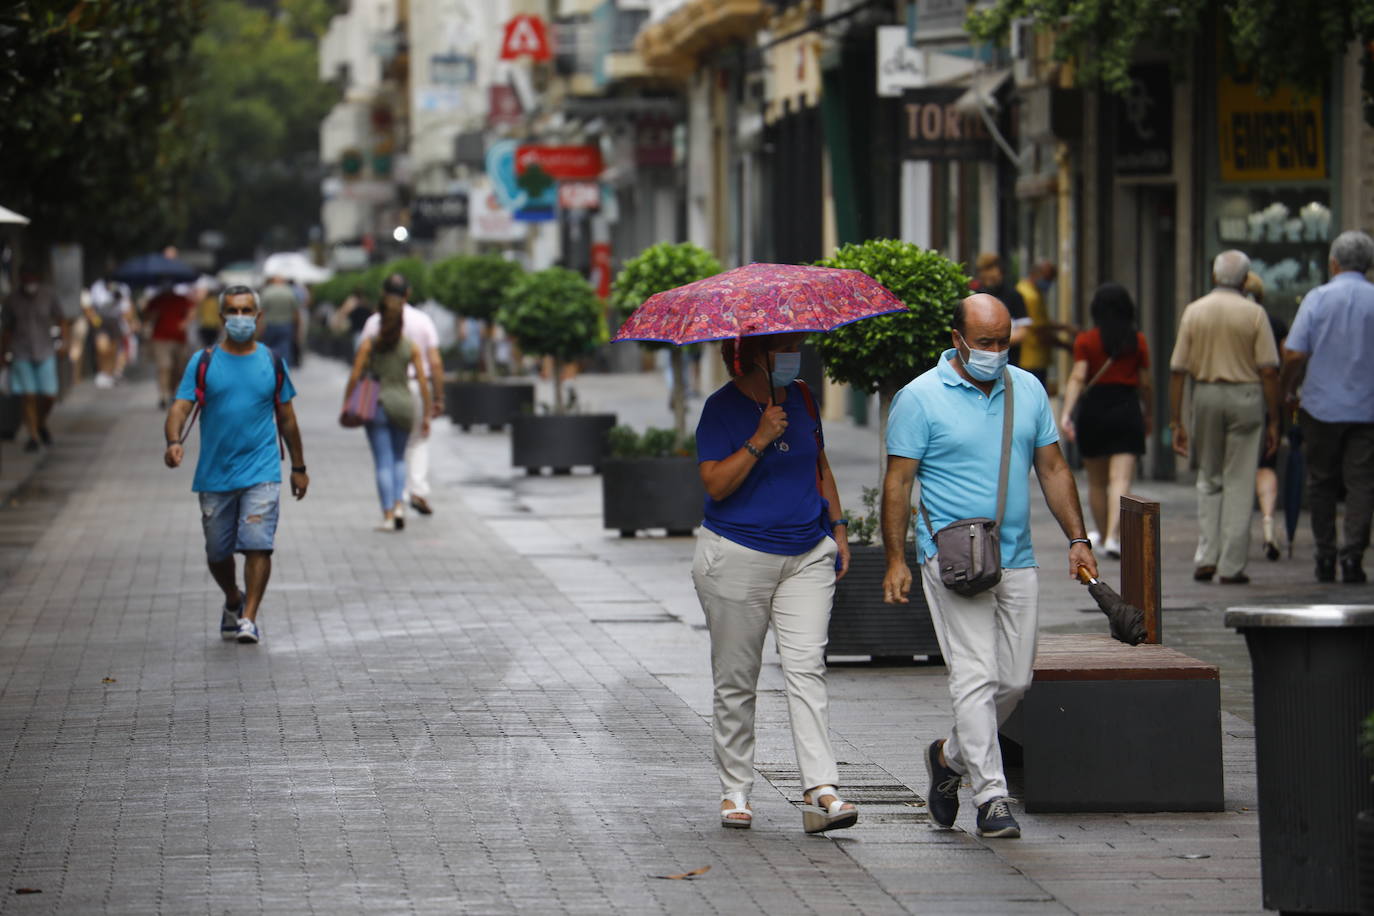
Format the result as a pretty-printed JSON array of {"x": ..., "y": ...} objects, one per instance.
[{"x": 1226, "y": 346}]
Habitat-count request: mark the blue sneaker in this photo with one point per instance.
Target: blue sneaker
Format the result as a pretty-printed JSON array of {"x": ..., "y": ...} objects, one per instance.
[
  {"x": 229, "y": 621},
  {"x": 248, "y": 631},
  {"x": 995, "y": 820},
  {"x": 942, "y": 800}
]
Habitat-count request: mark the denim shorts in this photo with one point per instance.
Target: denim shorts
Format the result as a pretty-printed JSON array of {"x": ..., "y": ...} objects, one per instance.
[
  {"x": 239, "y": 520},
  {"x": 34, "y": 376}
]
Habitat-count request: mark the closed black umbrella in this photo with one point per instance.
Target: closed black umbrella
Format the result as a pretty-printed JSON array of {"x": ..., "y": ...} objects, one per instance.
[
  {"x": 1295, "y": 472},
  {"x": 1127, "y": 621}
]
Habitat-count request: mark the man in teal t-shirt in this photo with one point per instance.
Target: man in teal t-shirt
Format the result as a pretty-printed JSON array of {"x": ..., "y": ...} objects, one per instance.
[
  {"x": 238, "y": 476},
  {"x": 945, "y": 428}
]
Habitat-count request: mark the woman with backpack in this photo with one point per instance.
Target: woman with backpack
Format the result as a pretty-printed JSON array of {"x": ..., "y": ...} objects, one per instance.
[{"x": 386, "y": 359}]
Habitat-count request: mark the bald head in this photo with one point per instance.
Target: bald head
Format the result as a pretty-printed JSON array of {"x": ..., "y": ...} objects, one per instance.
[{"x": 979, "y": 313}]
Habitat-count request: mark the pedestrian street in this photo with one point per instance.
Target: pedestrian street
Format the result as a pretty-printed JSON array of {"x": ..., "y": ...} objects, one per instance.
[{"x": 502, "y": 709}]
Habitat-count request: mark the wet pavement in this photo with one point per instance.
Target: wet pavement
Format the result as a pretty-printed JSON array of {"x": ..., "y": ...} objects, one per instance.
[{"x": 502, "y": 709}]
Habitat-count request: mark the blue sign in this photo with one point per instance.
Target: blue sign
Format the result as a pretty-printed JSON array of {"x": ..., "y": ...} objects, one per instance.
[{"x": 528, "y": 197}]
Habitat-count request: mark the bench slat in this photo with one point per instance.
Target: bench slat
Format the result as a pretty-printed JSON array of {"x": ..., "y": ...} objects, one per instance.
[{"x": 1095, "y": 657}]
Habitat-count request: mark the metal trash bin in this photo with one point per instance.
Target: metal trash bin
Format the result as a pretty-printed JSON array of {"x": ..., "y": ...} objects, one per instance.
[{"x": 1313, "y": 685}]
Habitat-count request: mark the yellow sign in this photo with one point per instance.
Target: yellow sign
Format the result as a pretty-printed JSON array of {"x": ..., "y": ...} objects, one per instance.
[{"x": 1278, "y": 138}]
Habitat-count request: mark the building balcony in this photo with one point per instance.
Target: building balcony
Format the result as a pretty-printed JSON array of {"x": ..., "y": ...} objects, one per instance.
[{"x": 675, "y": 42}]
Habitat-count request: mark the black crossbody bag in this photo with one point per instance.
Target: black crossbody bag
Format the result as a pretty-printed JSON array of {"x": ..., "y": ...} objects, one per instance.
[{"x": 969, "y": 551}]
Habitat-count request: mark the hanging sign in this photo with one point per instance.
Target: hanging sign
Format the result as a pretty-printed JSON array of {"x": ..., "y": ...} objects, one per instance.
[
  {"x": 1278, "y": 138},
  {"x": 601, "y": 268},
  {"x": 526, "y": 36},
  {"x": 564, "y": 163},
  {"x": 1145, "y": 123},
  {"x": 899, "y": 65},
  {"x": 933, "y": 127},
  {"x": 429, "y": 212},
  {"x": 579, "y": 195}
]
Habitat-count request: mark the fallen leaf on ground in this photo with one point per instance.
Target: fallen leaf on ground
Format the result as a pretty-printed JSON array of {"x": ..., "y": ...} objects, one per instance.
[
  {"x": 687, "y": 875},
  {"x": 28, "y": 890},
  {"x": 107, "y": 680}
]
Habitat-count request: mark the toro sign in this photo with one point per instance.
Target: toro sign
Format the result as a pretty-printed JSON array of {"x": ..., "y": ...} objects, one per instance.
[{"x": 526, "y": 36}]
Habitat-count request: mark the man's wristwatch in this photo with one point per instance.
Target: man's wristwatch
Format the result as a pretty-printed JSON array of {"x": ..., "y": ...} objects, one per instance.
[
  {"x": 1073, "y": 541},
  {"x": 172, "y": 442},
  {"x": 840, "y": 521},
  {"x": 297, "y": 469}
]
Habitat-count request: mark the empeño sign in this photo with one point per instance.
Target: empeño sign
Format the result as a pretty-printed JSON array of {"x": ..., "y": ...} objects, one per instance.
[
  {"x": 933, "y": 128},
  {"x": 564, "y": 163},
  {"x": 1278, "y": 138}
]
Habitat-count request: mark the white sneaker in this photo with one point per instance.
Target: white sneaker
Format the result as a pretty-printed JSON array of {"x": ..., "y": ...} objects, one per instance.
[
  {"x": 248, "y": 631},
  {"x": 103, "y": 381},
  {"x": 1112, "y": 547},
  {"x": 1095, "y": 539}
]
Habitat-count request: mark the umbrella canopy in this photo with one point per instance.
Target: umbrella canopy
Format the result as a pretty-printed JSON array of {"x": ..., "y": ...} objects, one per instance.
[
  {"x": 1294, "y": 478},
  {"x": 152, "y": 269},
  {"x": 759, "y": 299},
  {"x": 9, "y": 216},
  {"x": 295, "y": 265}
]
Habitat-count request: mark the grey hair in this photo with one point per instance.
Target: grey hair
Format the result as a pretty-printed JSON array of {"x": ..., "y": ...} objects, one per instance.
[
  {"x": 1229, "y": 269},
  {"x": 1353, "y": 250},
  {"x": 239, "y": 290}
]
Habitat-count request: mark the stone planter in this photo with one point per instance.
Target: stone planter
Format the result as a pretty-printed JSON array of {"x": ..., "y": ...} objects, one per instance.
[
  {"x": 639, "y": 493},
  {"x": 493, "y": 405},
  {"x": 861, "y": 624},
  {"x": 559, "y": 442}
]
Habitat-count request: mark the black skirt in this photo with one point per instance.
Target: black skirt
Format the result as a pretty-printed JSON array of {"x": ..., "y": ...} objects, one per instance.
[{"x": 1110, "y": 422}]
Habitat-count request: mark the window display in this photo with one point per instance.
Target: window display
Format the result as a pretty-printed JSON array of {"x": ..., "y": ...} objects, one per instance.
[{"x": 1286, "y": 233}]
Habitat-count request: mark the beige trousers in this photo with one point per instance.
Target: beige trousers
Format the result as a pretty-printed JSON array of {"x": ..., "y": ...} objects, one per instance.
[
  {"x": 743, "y": 591},
  {"x": 1228, "y": 429}
]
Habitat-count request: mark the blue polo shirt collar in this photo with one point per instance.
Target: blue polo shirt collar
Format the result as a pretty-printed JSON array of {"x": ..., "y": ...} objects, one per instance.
[{"x": 950, "y": 376}]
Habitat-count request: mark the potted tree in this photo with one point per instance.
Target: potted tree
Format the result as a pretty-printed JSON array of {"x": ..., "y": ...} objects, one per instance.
[
  {"x": 555, "y": 312},
  {"x": 651, "y": 481},
  {"x": 882, "y": 354},
  {"x": 658, "y": 268},
  {"x": 472, "y": 286}
]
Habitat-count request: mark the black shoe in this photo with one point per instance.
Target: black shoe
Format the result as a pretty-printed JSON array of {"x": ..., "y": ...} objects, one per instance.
[
  {"x": 1204, "y": 573},
  {"x": 1352, "y": 573},
  {"x": 942, "y": 799},
  {"x": 1238, "y": 579},
  {"x": 31, "y": 445},
  {"x": 1271, "y": 551},
  {"x": 400, "y": 523},
  {"x": 995, "y": 820},
  {"x": 421, "y": 505},
  {"x": 44, "y": 436},
  {"x": 1326, "y": 569}
]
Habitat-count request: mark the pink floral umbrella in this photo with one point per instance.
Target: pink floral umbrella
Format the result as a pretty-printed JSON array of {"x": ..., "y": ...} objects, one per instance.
[{"x": 759, "y": 299}]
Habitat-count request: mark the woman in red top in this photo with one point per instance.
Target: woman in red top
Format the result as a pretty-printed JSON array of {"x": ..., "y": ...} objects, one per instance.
[{"x": 1110, "y": 378}]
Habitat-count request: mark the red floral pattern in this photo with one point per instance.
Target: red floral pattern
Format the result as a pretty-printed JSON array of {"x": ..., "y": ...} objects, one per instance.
[{"x": 759, "y": 299}]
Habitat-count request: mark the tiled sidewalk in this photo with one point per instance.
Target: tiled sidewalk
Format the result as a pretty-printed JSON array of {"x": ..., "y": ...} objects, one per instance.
[{"x": 500, "y": 710}]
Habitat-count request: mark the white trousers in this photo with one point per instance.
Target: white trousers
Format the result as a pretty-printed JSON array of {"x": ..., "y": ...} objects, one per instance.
[
  {"x": 988, "y": 642},
  {"x": 743, "y": 591},
  {"x": 417, "y": 449}
]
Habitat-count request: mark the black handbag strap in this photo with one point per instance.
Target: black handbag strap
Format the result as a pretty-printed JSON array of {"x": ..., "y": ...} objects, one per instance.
[{"x": 1004, "y": 470}]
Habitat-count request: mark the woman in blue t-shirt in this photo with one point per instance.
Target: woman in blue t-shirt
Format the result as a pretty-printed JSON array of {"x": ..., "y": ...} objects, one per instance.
[{"x": 766, "y": 555}]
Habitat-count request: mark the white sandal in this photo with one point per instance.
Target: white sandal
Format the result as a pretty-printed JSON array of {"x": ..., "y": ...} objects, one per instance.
[
  {"x": 730, "y": 817},
  {"x": 834, "y": 816}
]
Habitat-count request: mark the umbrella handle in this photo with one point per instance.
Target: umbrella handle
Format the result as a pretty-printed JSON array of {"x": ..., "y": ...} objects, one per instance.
[{"x": 1084, "y": 576}]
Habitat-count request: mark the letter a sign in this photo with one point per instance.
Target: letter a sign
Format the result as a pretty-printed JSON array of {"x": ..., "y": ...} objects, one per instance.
[{"x": 526, "y": 36}]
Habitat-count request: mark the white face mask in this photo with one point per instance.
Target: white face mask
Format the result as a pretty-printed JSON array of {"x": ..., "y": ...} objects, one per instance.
[{"x": 984, "y": 365}]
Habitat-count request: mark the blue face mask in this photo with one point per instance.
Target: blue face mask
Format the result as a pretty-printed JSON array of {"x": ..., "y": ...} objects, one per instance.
[
  {"x": 240, "y": 328},
  {"x": 785, "y": 369},
  {"x": 985, "y": 365}
]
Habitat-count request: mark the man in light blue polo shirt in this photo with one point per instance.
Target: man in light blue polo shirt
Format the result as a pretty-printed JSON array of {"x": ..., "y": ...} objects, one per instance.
[
  {"x": 1332, "y": 342},
  {"x": 945, "y": 428}
]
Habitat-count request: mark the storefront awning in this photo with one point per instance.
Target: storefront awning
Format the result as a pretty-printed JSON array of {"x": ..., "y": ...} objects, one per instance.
[
  {"x": 981, "y": 94},
  {"x": 9, "y": 216}
]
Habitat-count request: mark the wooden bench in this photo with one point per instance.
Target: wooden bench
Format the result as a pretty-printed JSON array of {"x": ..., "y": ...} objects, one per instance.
[{"x": 1111, "y": 727}]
